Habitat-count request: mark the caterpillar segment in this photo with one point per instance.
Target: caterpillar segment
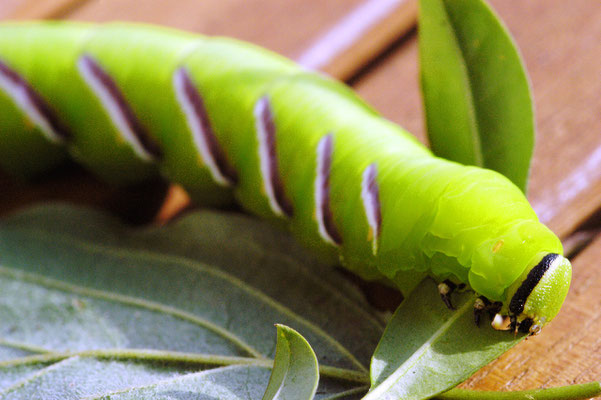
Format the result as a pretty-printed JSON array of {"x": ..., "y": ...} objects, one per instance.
[{"x": 230, "y": 121}]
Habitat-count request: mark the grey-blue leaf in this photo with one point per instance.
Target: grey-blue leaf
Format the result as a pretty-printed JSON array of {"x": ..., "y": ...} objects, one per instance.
[{"x": 92, "y": 308}]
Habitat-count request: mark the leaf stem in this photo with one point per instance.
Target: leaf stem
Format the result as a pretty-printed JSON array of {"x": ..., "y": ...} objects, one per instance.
[{"x": 571, "y": 392}]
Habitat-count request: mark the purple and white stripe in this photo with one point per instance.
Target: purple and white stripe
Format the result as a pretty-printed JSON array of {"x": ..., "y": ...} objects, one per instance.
[
  {"x": 119, "y": 111},
  {"x": 272, "y": 182},
  {"x": 32, "y": 105},
  {"x": 325, "y": 218},
  {"x": 370, "y": 194},
  {"x": 204, "y": 137}
]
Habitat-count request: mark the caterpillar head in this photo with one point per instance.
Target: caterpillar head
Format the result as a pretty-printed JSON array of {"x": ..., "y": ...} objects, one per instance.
[{"x": 536, "y": 297}]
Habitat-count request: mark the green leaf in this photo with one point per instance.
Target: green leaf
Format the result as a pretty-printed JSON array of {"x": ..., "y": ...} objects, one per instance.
[
  {"x": 295, "y": 373},
  {"x": 91, "y": 308},
  {"x": 475, "y": 89},
  {"x": 427, "y": 349}
]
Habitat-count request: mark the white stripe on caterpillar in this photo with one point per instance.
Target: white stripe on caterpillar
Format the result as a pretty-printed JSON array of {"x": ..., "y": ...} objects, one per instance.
[
  {"x": 117, "y": 108},
  {"x": 31, "y": 104},
  {"x": 205, "y": 140},
  {"x": 325, "y": 219},
  {"x": 370, "y": 194},
  {"x": 272, "y": 182}
]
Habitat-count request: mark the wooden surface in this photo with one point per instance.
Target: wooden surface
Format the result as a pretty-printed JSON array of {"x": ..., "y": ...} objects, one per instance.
[{"x": 561, "y": 44}]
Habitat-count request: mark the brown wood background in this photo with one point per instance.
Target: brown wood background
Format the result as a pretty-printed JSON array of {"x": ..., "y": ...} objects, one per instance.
[{"x": 561, "y": 44}]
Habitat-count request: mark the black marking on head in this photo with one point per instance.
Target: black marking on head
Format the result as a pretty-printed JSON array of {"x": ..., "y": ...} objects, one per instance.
[
  {"x": 516, "y": 306},
  {"x": 525, "y": 325},
  {"x": 268, "y": 145},
  {"x": 209, "y": 139},
  {"x": 36, "y": 101},
  {"x": 140, "y": 133},
  {"x": 322, "y": 190}
]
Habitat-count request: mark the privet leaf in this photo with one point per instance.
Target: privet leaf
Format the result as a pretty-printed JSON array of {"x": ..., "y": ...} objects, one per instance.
[
  {"x": 475, "y": 89},
  {"x": 427, "y": 348},
  {"x": 295, "y": 373},
  {"x": 93, "y": 309}
]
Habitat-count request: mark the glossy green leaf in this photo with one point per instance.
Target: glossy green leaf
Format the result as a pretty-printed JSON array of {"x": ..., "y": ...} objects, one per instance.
[
  {"x": 93, "y": 309},
  {"x": 475, "y": 89},
  {"x": 427, "y": 349},
  {"x": 295, "y": 372}
]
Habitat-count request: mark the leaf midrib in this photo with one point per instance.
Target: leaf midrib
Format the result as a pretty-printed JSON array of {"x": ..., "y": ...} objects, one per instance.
[
  {"x": 147, "y": 355},
  {"x": 188, "y": 263},
  {"x": 416, "y": 356},
  {"x": 131, "y": 301},
  {"x": 466, "y": 78}
]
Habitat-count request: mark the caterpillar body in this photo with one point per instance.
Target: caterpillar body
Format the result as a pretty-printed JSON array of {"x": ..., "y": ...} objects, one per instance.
[{"x": 228, "y": 120}]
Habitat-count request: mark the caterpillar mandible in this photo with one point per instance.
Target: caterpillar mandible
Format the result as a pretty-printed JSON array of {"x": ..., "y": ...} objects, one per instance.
[{"x": 228, "y": 120}]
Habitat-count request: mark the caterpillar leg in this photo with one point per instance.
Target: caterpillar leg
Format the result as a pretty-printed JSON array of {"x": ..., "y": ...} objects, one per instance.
[
  {"x": 445, "y": 289},
  {"x": 482, "y": 305}
]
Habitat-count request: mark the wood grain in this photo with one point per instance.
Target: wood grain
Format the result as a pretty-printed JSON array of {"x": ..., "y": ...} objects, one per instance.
[
  {"x": 37, "y": 9},
  {"x": 359, "y": 37},
  {"x": 286, "y": 27}
]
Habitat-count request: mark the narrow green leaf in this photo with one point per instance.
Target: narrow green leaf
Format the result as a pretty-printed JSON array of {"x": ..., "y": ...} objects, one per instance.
[
  {"x": 475, "y": 89},
  {"x": 93, "y": 309},
  {"x": 295, "y": 373},
  {"x": 571, "y": 392},
  {"x": 427, "y": 348}
]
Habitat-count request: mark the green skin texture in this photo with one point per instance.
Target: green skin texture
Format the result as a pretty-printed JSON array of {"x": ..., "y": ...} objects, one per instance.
[{"x": 439, "y": 218}]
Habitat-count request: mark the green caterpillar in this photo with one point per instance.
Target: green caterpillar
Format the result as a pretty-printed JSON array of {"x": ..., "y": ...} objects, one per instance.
[{"x": 230, "y": 121}]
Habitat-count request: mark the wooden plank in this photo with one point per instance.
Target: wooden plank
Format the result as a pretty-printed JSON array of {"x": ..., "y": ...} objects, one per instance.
[
  {"x": 360, "y": 36},
  {"x": 37, "y": 9},
  {"x": 562, "y": 49},
  {"x": 286, "y": 27},
  {"x": 567, "y": 351}
]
